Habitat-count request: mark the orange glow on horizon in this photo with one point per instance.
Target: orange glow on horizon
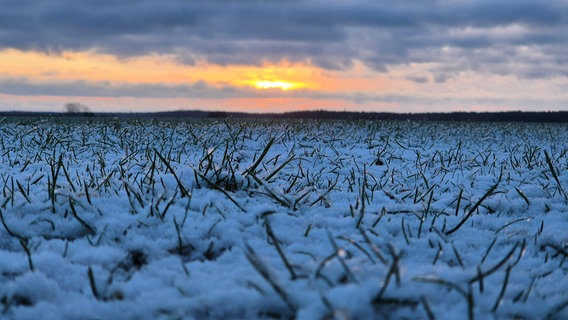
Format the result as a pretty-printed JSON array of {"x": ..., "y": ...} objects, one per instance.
[
  {"x": 164, "y": 69},
  {"x": 93, "y": 67},
  {"x": 282, "y": 85},
  {"x": 317, "y": 87}
]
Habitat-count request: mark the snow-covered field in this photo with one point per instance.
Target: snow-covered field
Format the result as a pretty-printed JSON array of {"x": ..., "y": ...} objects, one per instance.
[{"x": 300, "y": 219}]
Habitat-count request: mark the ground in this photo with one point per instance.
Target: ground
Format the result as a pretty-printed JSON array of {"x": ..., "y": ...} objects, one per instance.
[{"x": 110, "y": 219}]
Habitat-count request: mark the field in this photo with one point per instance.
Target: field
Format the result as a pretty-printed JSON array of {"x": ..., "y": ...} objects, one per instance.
[{"x": 225, "y": 219}]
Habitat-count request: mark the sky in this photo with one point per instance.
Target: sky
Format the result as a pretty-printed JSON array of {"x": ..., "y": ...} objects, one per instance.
[{"x": 278, "y": 56}]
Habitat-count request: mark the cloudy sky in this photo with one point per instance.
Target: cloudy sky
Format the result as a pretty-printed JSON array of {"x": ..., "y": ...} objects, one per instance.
[{"x": 274, "y": 56}]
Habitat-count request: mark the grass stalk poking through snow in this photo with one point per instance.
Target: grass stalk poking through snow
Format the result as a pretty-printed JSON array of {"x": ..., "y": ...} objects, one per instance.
[
  {"x": 252, "y": 168},
  {"x": 25, "y": 243},
  {"x": 554, "y": 174},
  {"x": 466, "y": 294},
  {"x": 182, "y": 189},
  {"x": 218, "y": 188},
  {"x": 90, "y": 229},
  {"x": 473, "y": 209},
  {"x": 262, "y": 269},
  {"x": 93, "y": 284},
  {"x": 276, "y": 243}
]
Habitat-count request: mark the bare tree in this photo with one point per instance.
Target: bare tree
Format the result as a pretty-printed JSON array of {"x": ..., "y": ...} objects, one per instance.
[{"x": 76, "y": 108}]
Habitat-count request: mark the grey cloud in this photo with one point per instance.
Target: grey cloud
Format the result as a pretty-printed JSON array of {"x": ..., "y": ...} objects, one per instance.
[
  {"x": 199, "y": 89},
  {"x": 535, "y": 13},
  {"x": 413, "y": 102},
  {"x": 441, "y": 77},
  {"x": 329, "y": 34},
  {"x": 418, "y": 79}
]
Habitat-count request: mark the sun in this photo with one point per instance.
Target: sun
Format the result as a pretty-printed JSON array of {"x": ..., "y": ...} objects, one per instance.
[{"x": 277, "y": 84}]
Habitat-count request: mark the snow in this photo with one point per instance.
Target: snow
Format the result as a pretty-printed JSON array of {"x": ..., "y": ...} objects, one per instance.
[{"x": 318, "y": 228}]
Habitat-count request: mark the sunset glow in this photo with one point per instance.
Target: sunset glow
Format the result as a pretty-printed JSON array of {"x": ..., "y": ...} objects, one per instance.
[
  {"x": 231, "y": 58},
  {"x": 146, "y": 69},
  {"x": 282, "y": 85}
]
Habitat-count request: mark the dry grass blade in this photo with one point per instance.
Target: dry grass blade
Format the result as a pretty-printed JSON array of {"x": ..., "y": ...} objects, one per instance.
[
  {"x": 427, "y": 308},
  {"x": 340, "y": 253},
  {"x": 322, "y": 264},
  {"x": 10, "y": 232},
  {"x": 554, "y": 174},
  {"x": 503, "y": 289},
  {"x": 468, "y": 296},
  {"x": 216, "y": 187},
  {"x": 87, "y": 194},
  {"x": 459, "y": 202},
  {"x": 26, "y": 246},
  {"x": 23, "y": 191},
  {"x": 496, "y": 267},
  {"x": 489, "y": 249},
  {"x": 276, "y": 243},
  {"x": 167, "y": 207},
  {"x": 358, "y": 246},
  {"x": 279, "y": 198},
  {"x": 279, "y": 168},
  {"x": 508, "y": 224},
  {"x": 522, "y": 194},
  {"x": 472, "y": 210},
  {"x": 184, "y": 192},
  {"x": 363, "y": 196},
  {"x": 261, "y": 268},
  {"x": 393, "y": 270},
  {"x": 90, "y": 229},
  {"x": 93, "y": 283},
  {"x": 558, "y": 249},
  {"x": 106, "y": 180},
  {"x": 252, "y": 168}
]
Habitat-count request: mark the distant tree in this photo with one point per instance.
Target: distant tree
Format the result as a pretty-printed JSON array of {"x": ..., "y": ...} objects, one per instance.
[
  {"x": 218, "y": 114},
  {"x": 76, "y": 108}
]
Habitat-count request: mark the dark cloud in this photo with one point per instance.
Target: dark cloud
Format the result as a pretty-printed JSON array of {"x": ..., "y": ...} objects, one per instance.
[
  {"x": 483, "y": 35},
  {"x": 418, "y": 79},
  {"x": 199, "y": 89},
  {"x": 441, "y": 77}
]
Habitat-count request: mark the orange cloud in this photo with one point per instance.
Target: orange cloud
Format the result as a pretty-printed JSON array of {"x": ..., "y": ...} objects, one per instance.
[
  {"x": 281, "y": 86},
  {"x": 164, "y": 69}
]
